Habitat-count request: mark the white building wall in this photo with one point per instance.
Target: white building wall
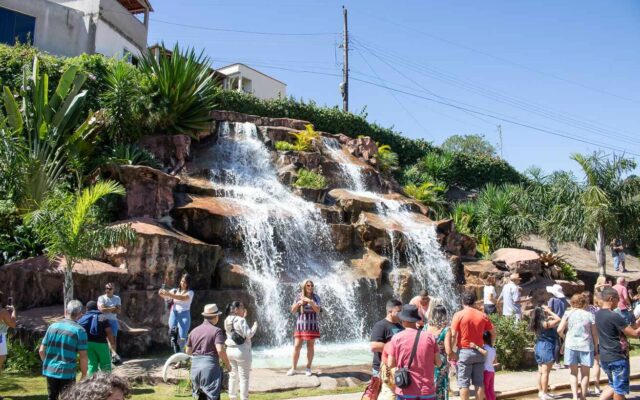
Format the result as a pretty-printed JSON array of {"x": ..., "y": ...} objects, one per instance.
[
  {"x": 262, "y": 86},
  {"x": 111, "y": 43}
]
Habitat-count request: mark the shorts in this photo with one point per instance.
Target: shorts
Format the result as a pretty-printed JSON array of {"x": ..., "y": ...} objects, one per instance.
[
  {"x": 470, "y": 368},
  {"x": 618, "y": 373},
  {"x": 544, "y": 352},
  {"x": 3, "y": 344},
  {"x": 113, "y": 323},
  {"x": 576, "y": 357}
]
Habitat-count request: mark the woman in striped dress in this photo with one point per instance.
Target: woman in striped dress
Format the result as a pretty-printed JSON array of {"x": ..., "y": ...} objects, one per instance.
[{"x": 307, "y": 308}]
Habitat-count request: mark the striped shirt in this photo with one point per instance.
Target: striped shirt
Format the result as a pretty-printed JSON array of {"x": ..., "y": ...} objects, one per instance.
[{"x": 62, "y": 342}]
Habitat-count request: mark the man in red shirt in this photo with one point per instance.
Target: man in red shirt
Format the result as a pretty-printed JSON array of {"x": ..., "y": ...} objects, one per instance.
[
  {"x": 421, "y": 370},
  {"x": 467, "y": 327}
]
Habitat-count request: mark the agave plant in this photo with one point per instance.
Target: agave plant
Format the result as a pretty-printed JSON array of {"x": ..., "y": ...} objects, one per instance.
[
  {"x": 122, "y": 101},
  {"x": 181, "y": 89},
  {"x": 129, "y": 154},
  {"x": 42, "y": 138}
]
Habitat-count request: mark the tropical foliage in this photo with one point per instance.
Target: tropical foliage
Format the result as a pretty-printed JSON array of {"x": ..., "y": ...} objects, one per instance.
[
  {"x": 310, "y": 180},
  {"x": 511, "y": 338},
  {"x": 386, "y": 159},
  {"x": 129, "y": 154},
  {"x": 430, "y": 194},
  {"x": 123, "y": 104},
  {"x": 304, "y": 140}
]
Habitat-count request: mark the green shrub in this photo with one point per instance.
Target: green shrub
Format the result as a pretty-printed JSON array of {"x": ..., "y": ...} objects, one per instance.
[
  {"x": 122, "y": 99},
  {"x": 285, "y": 146},
  {"x": 386, "y": 159},
  {"x": 429, "y": 193},
  {"x": 304, "y": 140},
  {"x": 511, "y": 339},
  {"x": 310, "y": 180},
  {"x": 22, "y": 358},
  {"x": 129, "y": 154},
  {"x": 568, "y": 271}
]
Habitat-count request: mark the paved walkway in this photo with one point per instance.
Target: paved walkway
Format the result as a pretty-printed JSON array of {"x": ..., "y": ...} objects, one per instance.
[{"x": 507, "y": 385}]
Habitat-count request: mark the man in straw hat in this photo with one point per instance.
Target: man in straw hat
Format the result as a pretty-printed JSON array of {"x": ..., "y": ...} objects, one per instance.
[{"x": 206, "y": 346}]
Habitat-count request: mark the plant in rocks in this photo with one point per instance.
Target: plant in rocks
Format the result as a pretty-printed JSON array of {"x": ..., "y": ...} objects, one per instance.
[
  {"x": 310, "y": 180},
  {"x": 387, "y": 159},
  {"x": 303, "y": 140}
]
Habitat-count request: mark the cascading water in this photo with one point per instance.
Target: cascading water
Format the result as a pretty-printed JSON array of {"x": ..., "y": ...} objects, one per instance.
[
  {"x": 420, "y": 248},
  {"x": 284, "y": 240}
]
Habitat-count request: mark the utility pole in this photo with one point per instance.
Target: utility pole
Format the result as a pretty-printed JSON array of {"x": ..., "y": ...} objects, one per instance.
[
  {"x": 500, "y": 136},
  {"x": 344, "y": 87}
]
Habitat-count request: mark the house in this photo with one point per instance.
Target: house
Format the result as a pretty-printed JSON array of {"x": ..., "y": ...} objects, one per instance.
[
  {"x": 243, "y": 78},
  {"x": 73, "y": 27}
]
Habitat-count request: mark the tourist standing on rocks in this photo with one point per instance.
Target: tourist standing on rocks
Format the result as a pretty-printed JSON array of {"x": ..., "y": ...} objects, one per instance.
[
  {"x": 438, "y": 327},
  {"x": 110, "y": 305},
  {"x": 581, "y": 342},
  {"x": 468, "y": 325},
  {"x": 617, "y": 253},
  {"x": 206, "y": 346},
  {"x": 7, "y": 320},
  {"x": 417, "y": 352},
  {"x": 307, "y": 306},
  {"x": 613, "y": 346},
  {"x": 422, "y": 301},
  {"x": 558, "y": 304},
  {"x": 180, "y": 311},
  {"x": 238, "y": 344},
  {"x": 99, "y": 335},
  {"x": 543, "y": 323},
  {"x": 381, "y": 334},
  {"x": 510, "y": 296},
  {"x": 489, "y": 295},
  {"x": 63, "y": 343},
  {"x": 100, "y": 386},
  {"x": 624, "y": 303}
]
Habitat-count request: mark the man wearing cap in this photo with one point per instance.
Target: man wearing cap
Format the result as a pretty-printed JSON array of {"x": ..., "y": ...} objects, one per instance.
[
  {"x": 558, "y": 303},
  {"x": 421, "y": 368},
  {"x": 467, "y": 328},
  {"x": 510, "y": 296},
  {"x": 206, "y": 346}
]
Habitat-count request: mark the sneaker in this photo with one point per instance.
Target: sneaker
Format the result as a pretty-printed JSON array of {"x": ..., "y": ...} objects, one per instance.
[
  {"x": 544, "y": 396},
  {"x": 291, "y": 372},
  {"x": 595, "y": 391},
  {"x": 307, "y": 372},
  {"x": 556, "y": 366},
  {"x": 115, "y": 359}
]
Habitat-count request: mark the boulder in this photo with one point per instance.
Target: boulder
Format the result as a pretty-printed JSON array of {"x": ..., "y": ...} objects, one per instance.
[
  {"x": 353, "y": 203},
  {"x": 300, "y": 159},
  {"x": 460, "y": 245},
  {"x": 273, "y": 134},
  {"x": 371, "y": 265},
  {"x": 570, "y": 288},
  {"x": 400, "y": 280},
  {"x": 313, "y": 195},
  {"x": 230, "y": 276},
  {"x": 38, "y": 281},
  {"x": 363, "y": 147},
  {"x": 198, "y": 185},
  {"x": 287, "y": 174},
  {"x": 209, "y": 219},
  {"x": 476, "y": 272},
  {"x": 331, "y": 214},
  {"x": 149, "y": 191},
  {"x": 161, "y": 255},
  {"x": 518, "y": 260},
  {"x": 376, "y": 231},
  {"x": 170, "y": 150},
  {"x": 342, "y": 236}
]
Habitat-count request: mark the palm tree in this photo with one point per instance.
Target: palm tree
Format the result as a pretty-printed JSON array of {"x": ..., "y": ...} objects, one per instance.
[
  {"x": 70, "y": 227},
  {"x": 608, "y": 199}
]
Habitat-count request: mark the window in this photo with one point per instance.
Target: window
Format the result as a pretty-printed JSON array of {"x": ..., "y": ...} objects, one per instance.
[{"x": 16, "y": 27}]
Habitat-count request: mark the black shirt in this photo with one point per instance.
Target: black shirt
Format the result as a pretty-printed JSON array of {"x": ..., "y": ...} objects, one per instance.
[
  {"x": 382, "y": 331},
  {"x": 610, "y": 326}
]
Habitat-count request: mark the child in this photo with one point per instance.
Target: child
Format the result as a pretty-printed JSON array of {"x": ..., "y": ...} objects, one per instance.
[{"x": 489, "y": 353}]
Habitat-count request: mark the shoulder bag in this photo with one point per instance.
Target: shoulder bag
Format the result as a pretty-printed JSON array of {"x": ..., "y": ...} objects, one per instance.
[
  {"x": 235, "y": 336},
  {"x": 401, "y": 377}
]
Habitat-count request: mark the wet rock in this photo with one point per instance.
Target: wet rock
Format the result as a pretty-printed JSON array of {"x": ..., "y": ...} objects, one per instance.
[
  {"x": 313, "y": 195},
  {"x": 375, "y": 230},
  {"x": 171, "y": 151},
  {"x": 38, "y": 281},
  {"x": 273, "y": 134},
  {"x": 232, "y": 116},
  {"x": 230, "y": 276},
  {"x": 287, "y": 174},
  {"x": 300, "y": 159},
  {"x": 363, "y": 147},
  {"x": 208, "y": 218},
  {"x": 331, "y": 214},
  {"x": 198, "y": 185},
  {"x": 342, "y": 236},
  {"x": 149, "y": 191},
  {"x": 518, "y": 260},
  {"x": 401, "y": 280},
  {"x": 371, "y": 265},
  {"x": 161, "y": 255},
  {"x": 353, "y": 204}
]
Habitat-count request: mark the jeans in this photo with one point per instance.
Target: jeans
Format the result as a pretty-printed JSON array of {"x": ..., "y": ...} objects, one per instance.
[
  {"x": 55, "y": 387},
  {"x": 182, "y": 321},
  {"x": 618, "y": 373},
  {"x": 240, "y": 360}
]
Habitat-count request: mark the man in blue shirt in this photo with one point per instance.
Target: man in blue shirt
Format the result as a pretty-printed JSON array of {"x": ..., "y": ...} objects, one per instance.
[{"x": 62, "y": 344}]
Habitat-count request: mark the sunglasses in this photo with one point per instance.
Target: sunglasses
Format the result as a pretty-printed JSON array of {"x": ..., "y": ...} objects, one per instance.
[{"x": 309, "y": 285}]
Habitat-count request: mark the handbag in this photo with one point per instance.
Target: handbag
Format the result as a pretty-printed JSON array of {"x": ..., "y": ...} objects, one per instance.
[
  {"x": 235, "y": 336},
  {"x": 401, "y": 377}
]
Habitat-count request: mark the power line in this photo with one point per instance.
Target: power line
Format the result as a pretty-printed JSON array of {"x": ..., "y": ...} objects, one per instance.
[{"x": 206, "y": 28}]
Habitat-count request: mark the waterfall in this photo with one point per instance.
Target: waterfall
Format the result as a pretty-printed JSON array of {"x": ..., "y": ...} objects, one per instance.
[
  {"x": 284, "y": 240},
  {"x": 420, "y": 248}
]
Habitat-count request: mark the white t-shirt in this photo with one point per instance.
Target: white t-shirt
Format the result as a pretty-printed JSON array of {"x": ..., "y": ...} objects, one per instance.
[
  {"x": 106, "y": 301},
  {"x": 488, "y": 360},
  {"x": 579, "y": 323},
  {"x": 488, "y": 291},
  {"x": 510, "y": 296},
  {"x": 182, "y": 305}
]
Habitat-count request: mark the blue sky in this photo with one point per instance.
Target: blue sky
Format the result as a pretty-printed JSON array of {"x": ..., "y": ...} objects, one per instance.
[{"x": 569, "y": 67}]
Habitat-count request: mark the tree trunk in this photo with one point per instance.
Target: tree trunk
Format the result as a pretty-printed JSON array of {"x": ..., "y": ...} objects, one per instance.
[
  {"x": 68, "y": 281},
  {"x": 601, "y": 257}
]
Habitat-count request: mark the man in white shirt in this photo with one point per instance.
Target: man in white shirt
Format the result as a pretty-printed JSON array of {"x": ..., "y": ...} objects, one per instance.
[
  {"x": 510, "y": 296},
  {"x": 109, "y": 304}
]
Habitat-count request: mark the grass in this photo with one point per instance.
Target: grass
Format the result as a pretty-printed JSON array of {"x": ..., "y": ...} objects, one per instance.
[{"x": 20, "y": 387}]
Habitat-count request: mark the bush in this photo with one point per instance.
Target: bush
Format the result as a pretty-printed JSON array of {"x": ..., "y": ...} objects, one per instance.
[
  {"x": 285, "y": 146},
  {"x": 386, "y": 159},
  {"x": 310, "y": 180},
  {"x": 511, "y": 339},
  {"x": 568, "y": 271},
  {"x": 129, "y": 154},
  {"x": 22, "y": 358}
]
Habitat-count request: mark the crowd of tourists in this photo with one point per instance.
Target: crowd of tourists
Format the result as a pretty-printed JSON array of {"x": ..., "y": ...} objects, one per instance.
[{"x": 416, "y": 348}]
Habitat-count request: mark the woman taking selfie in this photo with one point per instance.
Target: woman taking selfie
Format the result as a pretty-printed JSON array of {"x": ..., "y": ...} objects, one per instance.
[{"x": 307, "y": 307}]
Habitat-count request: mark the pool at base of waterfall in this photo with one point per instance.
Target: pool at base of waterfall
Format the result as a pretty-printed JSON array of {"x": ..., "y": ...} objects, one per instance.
[{"x": 326, "y": 354}]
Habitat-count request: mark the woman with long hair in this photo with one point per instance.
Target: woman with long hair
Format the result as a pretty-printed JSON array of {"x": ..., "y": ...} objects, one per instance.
[
  {"x": 439, "y": 328},
  {"x": 307, "y": 308},
  {"x": 543, "y": 323},
  {"x": 180, "y": 312},
  {"x": 238, "y": 344}
]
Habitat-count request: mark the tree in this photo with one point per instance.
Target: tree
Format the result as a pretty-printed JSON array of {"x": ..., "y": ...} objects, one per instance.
[
  {"x": 469, "y": 144},
  {"x": 70, "y": 227}
]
